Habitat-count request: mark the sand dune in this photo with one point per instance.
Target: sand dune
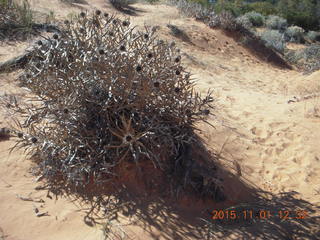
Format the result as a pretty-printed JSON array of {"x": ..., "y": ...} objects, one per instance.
[{"x": 272, "y": 139}]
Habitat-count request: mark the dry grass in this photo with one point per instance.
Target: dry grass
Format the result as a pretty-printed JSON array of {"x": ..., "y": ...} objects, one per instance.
[
  {"x": 15, "y": 20},
  {"x": 113, "y": 231}
]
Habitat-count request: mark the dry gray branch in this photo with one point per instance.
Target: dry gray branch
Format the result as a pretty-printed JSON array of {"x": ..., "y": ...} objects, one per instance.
[{"x": 107, "y": 96}]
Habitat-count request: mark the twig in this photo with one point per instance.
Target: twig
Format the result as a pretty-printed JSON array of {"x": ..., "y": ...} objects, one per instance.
[
  {"x": 42, "y": 214},
  {"x": 306, "y": 97},
  {"x": 29, "y": 199},
  {"x": 8, "y": 184}
]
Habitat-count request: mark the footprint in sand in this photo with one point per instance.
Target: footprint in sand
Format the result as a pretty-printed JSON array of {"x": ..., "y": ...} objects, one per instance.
[{"x": 247, "y": 114}]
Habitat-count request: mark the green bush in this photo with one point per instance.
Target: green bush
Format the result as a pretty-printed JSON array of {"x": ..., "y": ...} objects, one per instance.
[
  {"x": 276, "y": 23},
  {"x": 294, "y": 34},
  {"x": 312, "y": 57},
  {"x": 302, "y": 13},
  {"x": 312, "y": 52},
  {"x": 303, "y": 20},
  {"x": 265, "y": 8},
  {"x": 236, "y": 8},
  {"x": 227, "y": 21},
  {"x": 244, "y": 21},
  {"x": 203, "y": 3},
  {"x": 274, "y": 39},
  {"x": 257, "y": 19},
  {"x": 308, "y": 58},
  {"x": 313, "y": 36},
  {"x": 193, "y": 9}
]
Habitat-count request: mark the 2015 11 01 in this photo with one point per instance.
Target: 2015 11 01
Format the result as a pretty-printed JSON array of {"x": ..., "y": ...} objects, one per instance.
[{"x": 245, "y": 214}]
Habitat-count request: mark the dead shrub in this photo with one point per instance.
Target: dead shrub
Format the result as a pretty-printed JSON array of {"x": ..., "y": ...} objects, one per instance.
[{"x": 107, "y": 96}]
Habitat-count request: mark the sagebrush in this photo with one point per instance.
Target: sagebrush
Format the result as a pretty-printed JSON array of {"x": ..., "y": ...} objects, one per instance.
[
  {"x": 244, "y": 22},
  {"x": 276, "y": 23},
  {"x": 314, "y": 36},
  {"x": 257, "y": 19},
  {"x": 294, "y": 34},
  {"x": 193, "y": 9},
  {"x": 274, "y": 39}
]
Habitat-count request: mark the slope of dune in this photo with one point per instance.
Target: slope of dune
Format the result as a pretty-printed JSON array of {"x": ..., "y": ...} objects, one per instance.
[{"x": 267, "y": 132}]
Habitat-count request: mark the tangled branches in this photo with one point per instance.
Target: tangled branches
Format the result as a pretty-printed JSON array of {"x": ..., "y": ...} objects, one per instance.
[{"x": 106, "y": 95}]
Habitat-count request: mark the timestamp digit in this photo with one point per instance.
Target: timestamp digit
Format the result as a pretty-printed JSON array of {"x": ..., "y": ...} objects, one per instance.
[
  {"x": 247, "y": 214},
  {"x": 263, "y": 214},
  {"x": 301, "y": 214},
  {"x": 284, "y": 214},
  {"x": 233, "y": 214},
  {"x": 227, "y": 214},
  {"x": 221, "y": 214},
  {"x": 250, "y": 214},
  {"x": 214, "y": 214}
]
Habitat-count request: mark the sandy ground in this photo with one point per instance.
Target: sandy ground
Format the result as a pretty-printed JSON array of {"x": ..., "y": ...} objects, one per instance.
[{"x": 272, "y": 139}]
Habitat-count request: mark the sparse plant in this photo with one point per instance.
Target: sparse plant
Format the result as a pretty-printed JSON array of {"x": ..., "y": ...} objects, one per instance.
[
  {"x": 274, "y": 39},
  {"x": 214, "y": 21},
  {"x": 294, "y": 34},
  {"x": 293, "y": 56},
  {"x": 308, "y": 58},
  {"x": 244, "y": 21},
  {"x": 257, "y": 19},
  {"x": 227, "y": 21},
  {"x": 193, "y": 9},
  {"x": 311, "y": 56},
  {"x": 276, "y": 23},
  {"x": 50, "y": 18},
  {"x": 15, "y": 19},
  {"x": 113, "y": 231},
  {"x": 107, "y": 96},
  {"x": 314, "y": 36},
  {"x": 72, "y": 16}
]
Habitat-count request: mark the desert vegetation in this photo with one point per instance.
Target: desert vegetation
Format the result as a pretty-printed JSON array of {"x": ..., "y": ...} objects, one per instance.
[
  {"x": 111, "y": 118},
  {"x": 304, "y": 13},
  {"x": 275, "y": 32},
  {"x": 106, "y": 98},
  {"x": 15, "y": 19},
  {"x": 18, "y": 22}
]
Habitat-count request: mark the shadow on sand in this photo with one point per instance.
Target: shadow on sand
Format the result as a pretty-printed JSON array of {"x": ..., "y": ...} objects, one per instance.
[
  {"x": 127, "y": 9},
  {"x": 258, "y": 49},
  {"x": 190, "y": 216}
]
